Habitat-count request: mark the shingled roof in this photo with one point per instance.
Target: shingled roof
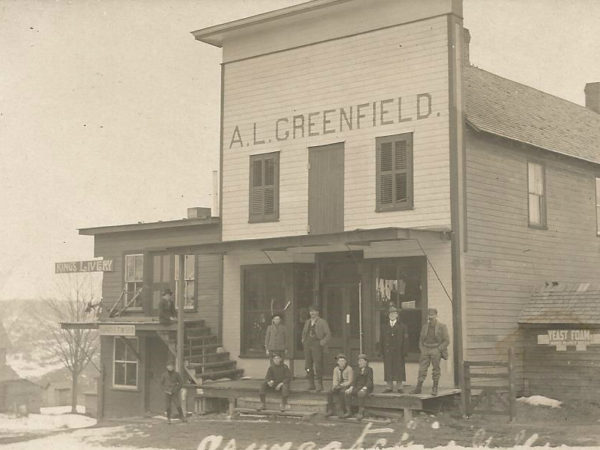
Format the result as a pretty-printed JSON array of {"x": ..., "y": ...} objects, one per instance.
[
  {"x": 563, "y": 303},
  {"x": 512, "y": 110}
]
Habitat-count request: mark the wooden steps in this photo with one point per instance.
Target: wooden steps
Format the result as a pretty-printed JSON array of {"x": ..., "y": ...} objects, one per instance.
[
  {"x": 232, "y": 374},
  {"x": 274, "y": 412},
  {"x": 296, "y": 405}
]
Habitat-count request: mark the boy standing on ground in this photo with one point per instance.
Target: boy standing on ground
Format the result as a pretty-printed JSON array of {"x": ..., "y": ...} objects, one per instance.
[
  {"x": 171, "y": 383},
  {"x": 275, "y": 337},
  {"x": 278, "y": 379}
]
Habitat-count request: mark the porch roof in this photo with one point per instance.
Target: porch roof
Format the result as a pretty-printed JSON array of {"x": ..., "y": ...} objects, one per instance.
[
  {"x": 314, "y": 242},
  {"x": 141, "y": 323}
]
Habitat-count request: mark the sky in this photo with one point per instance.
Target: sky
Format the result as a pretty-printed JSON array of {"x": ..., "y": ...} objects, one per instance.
[{"x": 109, "y": 109}]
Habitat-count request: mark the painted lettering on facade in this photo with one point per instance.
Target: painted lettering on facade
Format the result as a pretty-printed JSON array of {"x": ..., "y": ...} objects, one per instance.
[
  {"x": 105, "y": 265},
  {"x": 116, "y": 330},
  {"x": 336, "y": 120},
  {"x": 562, "y": 339}
]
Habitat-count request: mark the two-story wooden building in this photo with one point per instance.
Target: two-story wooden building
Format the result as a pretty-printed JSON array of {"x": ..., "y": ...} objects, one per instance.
[
  {"x": 364, "y": 162},
  {"x": 134, "y": 346}
]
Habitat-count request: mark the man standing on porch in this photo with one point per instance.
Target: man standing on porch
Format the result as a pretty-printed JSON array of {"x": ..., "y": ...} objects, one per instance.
[
  {"x": 394, "y": 347},
  {"x": 315, "y": 337},
  {"x": 433, "y": 343}
]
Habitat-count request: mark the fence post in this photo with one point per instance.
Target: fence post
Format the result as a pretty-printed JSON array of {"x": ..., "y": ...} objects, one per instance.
[
  {"x": 467, "y": 390},
  {"x": 512, "y": 401}
]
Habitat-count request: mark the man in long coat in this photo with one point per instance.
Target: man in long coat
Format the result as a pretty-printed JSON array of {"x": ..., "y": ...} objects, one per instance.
[{"x": 394, "y": 347}]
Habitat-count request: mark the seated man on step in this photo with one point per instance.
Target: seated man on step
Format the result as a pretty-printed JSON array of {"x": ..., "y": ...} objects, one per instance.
[
  {"x": 343, "y": 376},
  {"x": 278, "y": 379},
  {"x": 361, "y": 387}
]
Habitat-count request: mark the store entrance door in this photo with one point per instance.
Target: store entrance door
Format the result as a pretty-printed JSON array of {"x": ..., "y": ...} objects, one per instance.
[{"x": 341, "y": 310}]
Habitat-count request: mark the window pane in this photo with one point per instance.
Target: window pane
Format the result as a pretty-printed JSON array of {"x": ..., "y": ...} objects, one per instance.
[
  {"x": 401, "y": 187},
  {"x": 269, "y": 200},
  {"x": 131, "y": 374},
  {"x": 190, "y": 267},
  {"x": 139, "y": 267},
  {"x": 598, "y": 219},
  {"x": 401, "y": 155},
  {"x": 386, "y": 157},
  {"x": 269, "y": 172},
  {"x": 189, "y": 294},
  {"x": 166, "y": 268},
  {"x": 252, "y": 289},
  {"x": 257, "y": 173},
  {"x": 536, "y": 179},
  {"x": 156, "y": 268},
  {"x": 129, "y": 355},
  {"x": 386, "y": 189},
  {"x": 129, "y": 268},
  {"x": 119, "y": 350},
  {"x": 120, "y": 373},
  {"x": 534, "y": 209},
  {"x": 274, "y": 290},
  {"x": 597, "y": 191},
  {"x": 255, "y": 327}
]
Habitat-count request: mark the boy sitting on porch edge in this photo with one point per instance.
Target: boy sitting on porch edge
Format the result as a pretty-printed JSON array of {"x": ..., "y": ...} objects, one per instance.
[{"x": 278, "y": 379}]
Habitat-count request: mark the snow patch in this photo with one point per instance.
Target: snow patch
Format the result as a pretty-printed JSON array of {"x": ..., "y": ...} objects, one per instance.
[
  {"x": 540, "y": 400},
  {"x": 43, "y": 422},
  {"x": 61, "y": 409}
]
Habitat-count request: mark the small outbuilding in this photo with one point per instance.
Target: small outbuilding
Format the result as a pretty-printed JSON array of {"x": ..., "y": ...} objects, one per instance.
[{"x": 561, "y": 333}]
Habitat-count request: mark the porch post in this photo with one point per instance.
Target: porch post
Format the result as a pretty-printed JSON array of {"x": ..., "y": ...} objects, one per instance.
[{"x": 180, "y": 306}]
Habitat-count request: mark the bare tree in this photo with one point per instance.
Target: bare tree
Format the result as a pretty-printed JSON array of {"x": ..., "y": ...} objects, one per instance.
[{"x": 74, "y": 347}]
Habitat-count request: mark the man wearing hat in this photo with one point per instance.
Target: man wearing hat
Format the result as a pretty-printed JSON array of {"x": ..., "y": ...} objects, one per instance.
[
  {"x": 315, "y": 336},
  {"x": 166, "y": 307},
  {"x": 343, "y": 376},
  {"x": 393, "y": 341},
  {"x": 433, "y": 343},
  {"x": 171, "y": 384},
  {"x": 278, "y": 379}
]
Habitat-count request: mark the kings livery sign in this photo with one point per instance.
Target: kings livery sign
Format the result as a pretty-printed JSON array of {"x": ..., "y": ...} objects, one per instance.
[{"x": 97, "y": 265}]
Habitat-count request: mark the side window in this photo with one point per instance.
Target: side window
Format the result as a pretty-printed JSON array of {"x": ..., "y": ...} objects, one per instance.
[
  {"x": 536, "y": 192},
  {"x": 125, "y": 363},
  {"x": 189, "y": 273},
  {"x": 394, "y": 172},
  {"x": 134, "y": 278},
  {"x": 264, "y": 187}
]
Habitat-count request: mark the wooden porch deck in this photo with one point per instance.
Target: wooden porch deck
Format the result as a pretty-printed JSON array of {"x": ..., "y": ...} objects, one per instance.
[{"x": 378, "y": 403}]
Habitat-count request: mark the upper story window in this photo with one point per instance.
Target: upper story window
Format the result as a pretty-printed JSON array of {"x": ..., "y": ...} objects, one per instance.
[
  {"x": 394, "y": 172},
  {"x": 189, "y": 280},
  {"x": 264, "y": 187},
  {"x": 598, "y": 206},
  {"x": 537, "y": 194},
  {"x": 134, "y": 278},
  {"x": 125, "y": 363}
]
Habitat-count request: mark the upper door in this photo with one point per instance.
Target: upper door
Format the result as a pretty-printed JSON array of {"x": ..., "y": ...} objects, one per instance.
[
  {"x": 326, "y": 189},
  {"x": 161, "y": 277}
]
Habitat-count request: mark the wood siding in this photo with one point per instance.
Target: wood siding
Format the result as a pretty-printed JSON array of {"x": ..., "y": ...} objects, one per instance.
[
  {"x": 404, "y": 62},
  {"x": 506, "y": 259},
  {"x": 115, "y": 245}
]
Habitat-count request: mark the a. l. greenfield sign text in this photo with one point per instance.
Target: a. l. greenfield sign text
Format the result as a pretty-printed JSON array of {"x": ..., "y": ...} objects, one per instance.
[{"x": 336, "y": 120}]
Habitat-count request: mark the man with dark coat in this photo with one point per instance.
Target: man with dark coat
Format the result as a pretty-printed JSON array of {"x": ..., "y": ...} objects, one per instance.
[
  {"x": 315, "y": 336},
  {"x": 171, "y": 383},
  {"x": 166, "y": 307},
  {"x": 433, "y": 343},
  {"x": 394, "y": 347}
]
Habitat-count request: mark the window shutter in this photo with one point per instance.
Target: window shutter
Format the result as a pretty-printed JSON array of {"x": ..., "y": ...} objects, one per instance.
[
  {"x": 394, "y": 172},
  {"x": 264, "y": 187}
]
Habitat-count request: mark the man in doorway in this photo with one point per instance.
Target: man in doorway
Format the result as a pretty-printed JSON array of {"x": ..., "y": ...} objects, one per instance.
[
  {"x": 394, "y": 346},
  {"x": 166, "y": 307},
  {"x": 171, "y": 383},
  {"x": 433, "y": 343},
  {"x": 315, "y": 336}
]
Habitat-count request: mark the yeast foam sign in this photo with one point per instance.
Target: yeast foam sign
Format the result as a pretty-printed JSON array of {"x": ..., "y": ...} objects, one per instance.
[
  {"x": 561, "y": 339},
  {"x": 333, "y": 120}
]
